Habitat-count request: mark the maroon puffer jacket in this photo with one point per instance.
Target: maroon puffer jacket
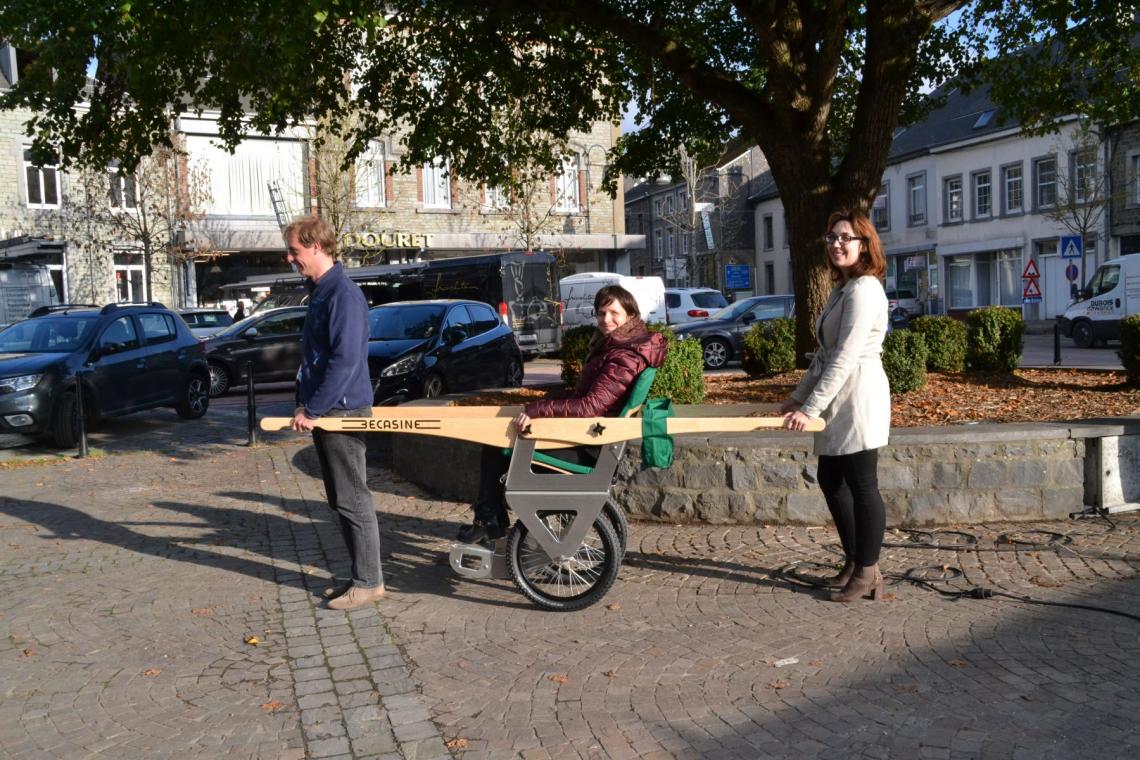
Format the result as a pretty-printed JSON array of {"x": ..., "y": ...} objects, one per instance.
[{"x": 609, "y": 374}]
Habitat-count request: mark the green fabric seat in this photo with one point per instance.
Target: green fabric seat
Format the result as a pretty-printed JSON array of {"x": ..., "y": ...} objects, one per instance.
[{"x": 637, "y": 397}]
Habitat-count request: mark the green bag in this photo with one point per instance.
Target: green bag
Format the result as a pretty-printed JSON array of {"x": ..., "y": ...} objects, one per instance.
[{"x": 656, "y": 444}]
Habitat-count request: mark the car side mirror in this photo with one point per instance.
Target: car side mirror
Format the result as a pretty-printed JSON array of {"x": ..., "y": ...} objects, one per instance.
[
  {"x": 748, "y": 318},
  {"x": 1084, "y": 293},
  {"x": 455, "y": 336},
  {"x": 250, "y": 334}
]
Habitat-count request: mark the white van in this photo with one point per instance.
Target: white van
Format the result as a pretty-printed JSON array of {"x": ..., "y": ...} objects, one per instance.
[
  {"x": 578, "y": 292},
  {"x": 1112, "y": 294}
]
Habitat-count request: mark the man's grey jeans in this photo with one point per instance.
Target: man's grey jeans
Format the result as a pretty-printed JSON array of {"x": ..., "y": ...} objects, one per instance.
[{"x": 344, "y": 469}]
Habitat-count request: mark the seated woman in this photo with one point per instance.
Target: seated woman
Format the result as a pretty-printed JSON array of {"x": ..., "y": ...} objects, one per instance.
[{"x": 619, "y": 350}]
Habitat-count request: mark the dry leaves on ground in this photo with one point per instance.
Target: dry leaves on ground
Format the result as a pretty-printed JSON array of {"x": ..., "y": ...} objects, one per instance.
[{"x": 1026, "y": 395}]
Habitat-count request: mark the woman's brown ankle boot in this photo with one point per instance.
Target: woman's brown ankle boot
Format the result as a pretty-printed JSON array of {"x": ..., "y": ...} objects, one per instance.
[
  {"x": 865, "y": 580},
  {"x": 844, "y": 575}
]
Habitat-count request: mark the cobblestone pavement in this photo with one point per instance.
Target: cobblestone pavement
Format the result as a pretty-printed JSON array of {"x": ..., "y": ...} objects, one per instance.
[{"x": 131, "y": 583}]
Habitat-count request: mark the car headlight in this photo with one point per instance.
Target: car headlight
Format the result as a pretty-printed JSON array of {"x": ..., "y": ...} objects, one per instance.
[
  {"x": 403, "y": 366},
  {"x": 19, "y": 383}
]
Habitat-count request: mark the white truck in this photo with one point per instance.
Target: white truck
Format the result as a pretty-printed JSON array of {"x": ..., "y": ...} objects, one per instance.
[
  {"x": 23, "y": 289},
  {"x": 1112, "y": 294},
  {"x": 578, "y": 291}
]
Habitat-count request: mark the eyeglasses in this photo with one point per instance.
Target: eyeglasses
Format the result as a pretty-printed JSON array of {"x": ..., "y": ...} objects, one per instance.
[{"x": 843, "y": 239}]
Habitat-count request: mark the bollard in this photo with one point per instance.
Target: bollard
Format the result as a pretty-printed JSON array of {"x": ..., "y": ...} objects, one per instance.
[
  {"x": 250, "y": 404},
  {"x": 1056, "y": 342},
  {"x": 82, "y": 416}
]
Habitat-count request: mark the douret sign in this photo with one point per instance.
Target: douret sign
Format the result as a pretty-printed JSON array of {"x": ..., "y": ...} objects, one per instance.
[{"x": 385, "y": 240}]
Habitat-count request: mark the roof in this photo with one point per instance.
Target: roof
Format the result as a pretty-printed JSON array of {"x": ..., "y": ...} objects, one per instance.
[{"x": 964, "y": 116}]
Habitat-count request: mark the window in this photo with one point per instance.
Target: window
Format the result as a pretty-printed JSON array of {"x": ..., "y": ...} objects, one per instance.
[
  {"x": 371, "y": 189},
  {"x": 881, "y": 208},
  {"x": 658, "y": 247},
  {"x": 1009, "y": 277},
  {"x": 1045, "y": 182},
  {"x": 983, "y": 194},
  {"x": 1082, "y": 165},
  {"x": 657, "y": 208},
  {"x": 959, "y": 273},
  {"x": 1135, "y": 161},
  {"x": 952, "y": 200},
  {"x": 916, "y": 200},
  {"x": 1105, "y": 279},
  {"x": 157, "y": 328},
  {"x": 129, "y": 273},
  {"x": 1012, "y": 189},
  {"x": 282, "y": 324},
  {"x": 457, "y": 321},
  {"x": 769, "y": 233},
  {"x": 238, "y": 183},
  {"x": 436, "y": 184},
  {"x": 769, "y": 277},
  {"x": 120, "y": 335},
  {"x": 43, "y": 183},
  {"x": 124, "y": 190},
  {"x": 483, "y": 319},
  {"x": 496, "y": 199},
  {"x": 566, "y": 196}
]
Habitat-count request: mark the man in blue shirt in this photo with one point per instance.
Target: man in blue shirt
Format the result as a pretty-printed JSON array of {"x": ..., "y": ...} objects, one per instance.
[{"x": 333, "y": 382}]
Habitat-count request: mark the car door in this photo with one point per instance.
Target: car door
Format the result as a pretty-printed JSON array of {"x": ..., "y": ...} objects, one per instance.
[
  {"x": 768, "y": 308},
  {"x": 488, "y": 336},
  {"x": 118, "y": 370},
  {"x": 458, "y": 356},
  {"x": 274, "y": 347},
  {"x": 162, "y": 355}
]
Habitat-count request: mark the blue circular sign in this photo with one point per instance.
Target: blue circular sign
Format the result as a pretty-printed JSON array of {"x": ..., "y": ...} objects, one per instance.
[{"x": 1072, "y": 272}]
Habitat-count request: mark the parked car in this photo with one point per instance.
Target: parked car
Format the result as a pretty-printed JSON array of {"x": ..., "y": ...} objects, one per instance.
[
  {"x": 685, "y": 305},
  {"x": 722, "y": 334},
  {"x": 132, "y": 357},
  {"x": 423, "y": 349},
  {"x": 206, "y": 322},
  {"x": 904, "y": 299},
  {"x": 270, "y": 339}
]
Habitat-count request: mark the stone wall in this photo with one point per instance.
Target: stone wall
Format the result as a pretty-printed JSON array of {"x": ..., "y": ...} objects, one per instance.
[{"x": 928, "y": 476}]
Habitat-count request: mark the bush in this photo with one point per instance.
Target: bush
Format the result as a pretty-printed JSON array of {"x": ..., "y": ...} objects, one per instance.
[
  {"x": 680, "y": 379},
  {"x": 904, "y": 360},
  {"x": 770, "y": 348},
  {"x": 945, "y": 339},
  {"x": 1129, "y": 352},
  {"x": 993, "y": 339}
]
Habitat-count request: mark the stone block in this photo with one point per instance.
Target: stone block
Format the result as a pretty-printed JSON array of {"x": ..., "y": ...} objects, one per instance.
[
  {"x": 808, "y": 508},
  {"x": 1028, "y": 473},
  {"x": 637, "y": 501},
  {"x": 704, "y": 477},
  {"x": 742, "y": 477},
  {"x": 1058, "y": 502},
  {"x": 959, "y": 506},
  {"x": 1066, "y": 472},
  {"x": 895, "y": 476},
  {"x": 810, "y": 472},
  {"x": 897, "y": 506},
  {"x": 1017, "y": 502},
  {"x": 713, "y": 507},
  {"x": 768, "y": 506},
  {"x": 674, "y": 506},
  {"x": 781, "y": 474},
  {"x": 987, "y": 475},
  {"x": 940, "y": 475},
  {"x": 927, "y": 508}
]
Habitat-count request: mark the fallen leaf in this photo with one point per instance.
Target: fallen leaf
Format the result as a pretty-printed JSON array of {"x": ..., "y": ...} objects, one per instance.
[
  {"x": 252, "y": 640},
  {"x": 202, "y": 612},
  {"x": 1043, "y": 582},
  {"x": 611, "y": 674},
  {"x": 777, "y": 685},
  {"x": 815, "y": 663},
  {"x": 29, "y": 652},
  {"x": 958, "y": 663},
  {"x": 457, "y": 743},
  {"x": 559, "y": 678},
  {"x": 786, "y": 661},
  {"x": 613, "y": 607},
  {"x": 273, "y": 706},
  {"x": 151, "y": 672}
]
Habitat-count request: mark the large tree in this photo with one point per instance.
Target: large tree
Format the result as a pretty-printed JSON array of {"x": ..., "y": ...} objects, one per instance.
[{"x": 819, "y": 85}]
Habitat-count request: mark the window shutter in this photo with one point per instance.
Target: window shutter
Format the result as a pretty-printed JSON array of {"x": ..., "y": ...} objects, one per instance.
[
  {"x": 581, "y": 189},
  {"x": 420, "y": 184},
  {"x": 388, "y": 187}
]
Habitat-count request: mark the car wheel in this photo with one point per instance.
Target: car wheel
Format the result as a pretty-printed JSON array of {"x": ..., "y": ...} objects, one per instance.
[
  {"x": 1083, "y": 335},
  {"x": 219, "y": 380},
  {"x": 195, "y": 397},
  {"x": 716, "y": 353},
  {"x": 65, "y": 422},
  {"x": 433, "y": 386},
  {"x": 514, "y": 376}
]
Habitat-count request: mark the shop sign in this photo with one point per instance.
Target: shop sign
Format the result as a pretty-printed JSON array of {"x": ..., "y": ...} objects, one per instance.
[
  {"x": 914, "y": 262},
  {"x": 372, "y": 240}
]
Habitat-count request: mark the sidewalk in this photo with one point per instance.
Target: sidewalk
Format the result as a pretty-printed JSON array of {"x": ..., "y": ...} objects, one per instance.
[{"x": 132, "y": 582}]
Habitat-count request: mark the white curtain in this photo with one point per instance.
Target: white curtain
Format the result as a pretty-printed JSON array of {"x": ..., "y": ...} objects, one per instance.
[{"x": 239, "y": 183}]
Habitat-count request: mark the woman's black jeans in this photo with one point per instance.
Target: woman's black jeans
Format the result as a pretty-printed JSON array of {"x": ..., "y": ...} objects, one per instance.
[
  {"x": 850, "y": 484},
  {"x": 490, "y": 507}
]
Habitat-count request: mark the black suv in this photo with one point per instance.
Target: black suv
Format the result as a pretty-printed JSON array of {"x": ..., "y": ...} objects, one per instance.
[{"x": 132, "y": 356}]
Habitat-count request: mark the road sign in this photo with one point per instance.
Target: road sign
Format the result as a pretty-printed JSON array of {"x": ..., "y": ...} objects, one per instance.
[
  {"x": 1072, "y": 247},
  {"x": 1031, "y": 272},
  {"x": 737, "y": 277},
  {"x": 1072, "y": 272},
  {"x": 1031, "y": 290}
]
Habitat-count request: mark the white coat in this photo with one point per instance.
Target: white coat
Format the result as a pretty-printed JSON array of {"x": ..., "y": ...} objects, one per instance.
[{"x": 845, "y": 384}]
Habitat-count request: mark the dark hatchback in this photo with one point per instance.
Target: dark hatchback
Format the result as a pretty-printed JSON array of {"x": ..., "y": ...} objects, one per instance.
[
  {"x": 422, "y": 349},
  {"x": 722, "y": 334},
  {"x": 133, "y": 357},
  {"x": 270, "y": 339}
]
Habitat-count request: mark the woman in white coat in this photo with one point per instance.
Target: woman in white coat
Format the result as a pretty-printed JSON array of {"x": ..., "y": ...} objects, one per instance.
[{"x": 846, "y": 386}]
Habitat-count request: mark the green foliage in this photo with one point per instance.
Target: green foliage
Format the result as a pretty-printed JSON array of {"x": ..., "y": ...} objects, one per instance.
[
  {"x": 904, "y": 360},
  {"x": 993, "y": 339},
  {"x": 945, "y": 339},
  {"x": 680, "y": 379},
  {"x": 1129, "y": 352},
  {"x": 770, "y": 347}
]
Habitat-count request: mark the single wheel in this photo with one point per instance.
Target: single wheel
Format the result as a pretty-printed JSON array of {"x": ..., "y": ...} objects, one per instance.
[
  {"x": 433, "y": 386},
  {"x": 514, "y": 376},
  {"x": 1083, "y": 335},
  {"x": 613, "y": 512},
  {"x": 570, "y": 583},
  {"x": 219, "y": 380},
  {"x": 65, "y": 422},
  {"x": 716, "y": 353},
  {"x": 195, "y": 398}
]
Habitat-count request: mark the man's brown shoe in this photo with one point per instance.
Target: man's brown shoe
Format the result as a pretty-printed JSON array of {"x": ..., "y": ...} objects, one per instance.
[{"x": 356, "y": 597}]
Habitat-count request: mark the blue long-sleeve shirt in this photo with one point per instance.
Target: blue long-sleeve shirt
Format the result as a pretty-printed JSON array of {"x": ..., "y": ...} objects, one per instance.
[{"x": 334, "y": 344}]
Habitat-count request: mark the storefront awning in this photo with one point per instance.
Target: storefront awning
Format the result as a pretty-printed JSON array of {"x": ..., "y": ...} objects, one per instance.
[
  {"x": 26, "y": 245},
  {"x": 979, "y": 246}
]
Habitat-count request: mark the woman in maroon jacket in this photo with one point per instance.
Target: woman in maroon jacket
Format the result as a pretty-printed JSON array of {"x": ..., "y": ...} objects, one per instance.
[{"x": 619, "y": 350}]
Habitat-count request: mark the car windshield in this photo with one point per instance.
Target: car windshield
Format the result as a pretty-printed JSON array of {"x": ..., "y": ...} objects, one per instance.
[
  {"x": 47, "y": 336},
  {"x": 414, "y": 322},
  {"x": 237, "y": 327},
  {"x": 709, "y": 300},
  {"x": 734, "y": 310}
]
